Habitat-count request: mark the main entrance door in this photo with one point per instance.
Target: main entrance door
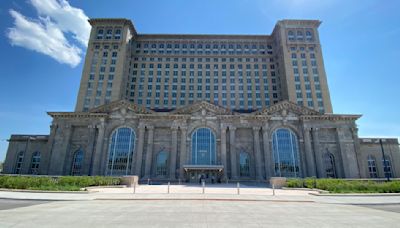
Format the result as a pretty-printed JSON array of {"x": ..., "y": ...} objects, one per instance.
[{"x": 206, "y": 173}]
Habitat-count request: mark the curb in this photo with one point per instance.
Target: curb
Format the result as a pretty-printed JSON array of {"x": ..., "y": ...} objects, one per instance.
[
  {"x": 206, "y": 199},
  {"x": 41, "y": 191},
  {"x": 355, "y": 194}
]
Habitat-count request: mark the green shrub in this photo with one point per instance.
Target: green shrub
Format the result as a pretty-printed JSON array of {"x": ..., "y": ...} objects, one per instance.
[
  {"x": 294, "y": 183},
  {"x": 64, "y": 183},
  {"x": 346, "y": 186}
]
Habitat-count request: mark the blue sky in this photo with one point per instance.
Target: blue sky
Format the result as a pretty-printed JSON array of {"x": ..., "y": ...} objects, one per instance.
[{"x": 359, "y": 41}]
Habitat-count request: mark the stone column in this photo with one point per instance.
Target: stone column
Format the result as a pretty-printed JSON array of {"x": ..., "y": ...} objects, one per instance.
[
  {"x": 174, "y": 145},
  {"x": 98, "y": 162},
  {"x": 309, "y": 153},
  {"x": 318, "y": 153},
  {"x": 50, "y": 145},
  {"x": 139, "y": 152},
  {"x": 348, "y": 155},
  {"x": 149, "y": 152},
  {"x": 88, "y": 154},
  {"x": 268, "y": 158},
  {"x": 223, "y": 151},
  {"x": 183, "y": 157},
  {"x": 234, "y": 174},
  {"x": 354, "y": 131},
  {"x": 58, "y": 158},
  {"x": 257, "y": 150}
]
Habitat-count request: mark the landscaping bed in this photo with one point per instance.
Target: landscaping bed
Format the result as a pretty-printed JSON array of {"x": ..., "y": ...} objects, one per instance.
[
  {"x": 62, "y": 183},
  {"x": 345, "y": 186}
]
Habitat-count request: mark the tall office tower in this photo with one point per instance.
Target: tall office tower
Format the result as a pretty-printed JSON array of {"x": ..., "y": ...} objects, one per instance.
[
  {"x": 240, "y": 72},
  {"x": 105, "y": 71},
  {"x": 301, "y": 64}
]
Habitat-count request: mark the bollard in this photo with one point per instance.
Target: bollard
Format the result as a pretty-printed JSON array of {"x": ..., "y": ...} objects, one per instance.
[
  {"x": 238, "y": 188},
  {"x": 134, "y": 188},
  {"x": 273, "y": 189},
  {"x": 148, "y": 181},
  {"x": 204, "y": 185},
  {"x": 168, "y": 187},
  {"x": 179, "y": 181}
]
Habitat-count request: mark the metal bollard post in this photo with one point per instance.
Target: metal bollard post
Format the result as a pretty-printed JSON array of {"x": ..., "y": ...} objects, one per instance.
[
  {"x": 204, "y": 185},
  {"x": 148, "y": 181},
  {"x": 134, "y": 188},
  {"x": 168, "y": 187},
  {"x": 179, "y": 181},
  {"x": 238, "y": 188},
  {"x": 273, "y": 189}
]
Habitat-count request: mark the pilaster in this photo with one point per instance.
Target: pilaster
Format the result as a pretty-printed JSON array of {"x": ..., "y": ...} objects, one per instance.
[
  {"x": 88, "y": 154},
  {"x": 257, "y": 150},
  {"x": 223, "y": 151},
  {"x": 139, "y": 152},
  {"x": 172, "y": 166},
  {"x": 149, "y": 152},
  {"x": 268, "y": 158},
  {"x": 309, "y": 154},
  {"x": 98, "y": 162},
  {"x": 232, "y": 147},
  {"x": 183, "y": 156},
  {"x": 318, "y": 153},
  {"x": 57, "y": 161}
]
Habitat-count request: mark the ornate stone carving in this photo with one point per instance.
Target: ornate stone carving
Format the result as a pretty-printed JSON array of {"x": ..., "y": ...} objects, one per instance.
[{"x": 203, "y": 106}]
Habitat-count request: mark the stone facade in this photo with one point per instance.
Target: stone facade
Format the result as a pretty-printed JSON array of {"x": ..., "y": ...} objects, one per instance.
[{"x": 171, "y": 132}]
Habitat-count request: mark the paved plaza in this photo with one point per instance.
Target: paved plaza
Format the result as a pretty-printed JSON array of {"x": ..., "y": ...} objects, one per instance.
[{"x": 187, "y": 206}]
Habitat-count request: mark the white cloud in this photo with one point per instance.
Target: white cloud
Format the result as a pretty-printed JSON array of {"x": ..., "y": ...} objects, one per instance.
[
  {"x": 68, "y": 19},
  {"x": 46, "y": 34}
]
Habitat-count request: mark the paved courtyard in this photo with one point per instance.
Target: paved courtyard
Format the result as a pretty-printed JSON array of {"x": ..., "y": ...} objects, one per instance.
[{"x": 186, "y": 206}]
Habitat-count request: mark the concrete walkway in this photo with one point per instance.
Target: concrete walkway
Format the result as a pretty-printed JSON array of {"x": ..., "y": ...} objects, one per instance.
[
  {"x": 187, "y": 206},
  {"x": 223, "y": 192}
]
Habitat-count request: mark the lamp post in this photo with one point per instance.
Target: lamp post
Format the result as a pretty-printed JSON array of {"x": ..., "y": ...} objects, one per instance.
[{"x": 384, "y": 161}]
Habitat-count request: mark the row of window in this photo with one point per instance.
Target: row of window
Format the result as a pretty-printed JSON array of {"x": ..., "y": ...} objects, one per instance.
[
  {"x": 205, "y": 52},
  {"x": 159, "y": 66},
  {"x": 386, "y": 163},
  {"x": 284, "y": 145},
  {"x": 108, "y": 33},
  {"x": 152, "y": 59},
  {"x": 34, "y": 166},
  {"x": 192, "y": 46},
  {"x": 300, "y": 36},
  {"x": 35, "y": 163}
]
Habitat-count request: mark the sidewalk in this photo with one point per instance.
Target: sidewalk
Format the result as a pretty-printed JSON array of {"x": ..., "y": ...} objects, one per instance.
[{"x": 220, "y": 192}]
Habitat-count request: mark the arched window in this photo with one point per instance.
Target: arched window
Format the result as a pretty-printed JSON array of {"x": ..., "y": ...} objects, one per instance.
[
  {"x": 372, "y": 167},
  {"x": 299, "y": 35},
  {"x": 244, "y": 164},
  {"x": 387, "y": 167},
  {"x": 330, "y": 167},
  {"x": 18, "y": 162},
  {"x": 161, "y": 164},
  {"x": 286, "y": 153},
  {"x": 203, "y": 147},
  {"x": 291, "y": 35},
  {"x": 120, "y": 151},
  {"x": 308, "y": 35},
  {"x": 77, "y": 161},
  {"x": 35, "y": 162}
]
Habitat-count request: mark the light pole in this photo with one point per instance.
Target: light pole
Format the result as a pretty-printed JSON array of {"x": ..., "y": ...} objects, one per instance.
[{"x": 384, "y": 161}]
